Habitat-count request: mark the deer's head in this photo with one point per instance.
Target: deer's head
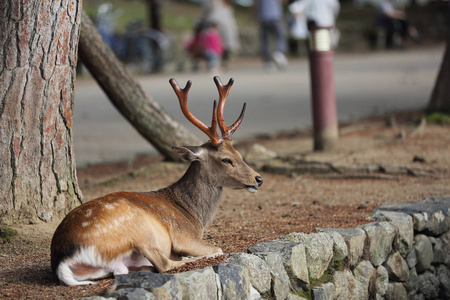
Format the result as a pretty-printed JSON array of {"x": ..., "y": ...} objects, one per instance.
[{"x": 222, "y": 163}]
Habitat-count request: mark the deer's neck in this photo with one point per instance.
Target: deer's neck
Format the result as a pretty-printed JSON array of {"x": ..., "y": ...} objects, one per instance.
[{"x": 198, "y": 193}]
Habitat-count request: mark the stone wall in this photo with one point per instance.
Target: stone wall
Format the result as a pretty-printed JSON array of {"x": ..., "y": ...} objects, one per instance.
[{"x": 403, "y": 254}]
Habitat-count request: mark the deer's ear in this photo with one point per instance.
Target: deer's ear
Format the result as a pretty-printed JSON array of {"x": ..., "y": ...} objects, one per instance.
[{"x": 190, "y": 153}]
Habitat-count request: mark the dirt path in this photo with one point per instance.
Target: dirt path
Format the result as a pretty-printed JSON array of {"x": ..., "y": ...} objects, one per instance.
[{"x": 284, "y": 204}]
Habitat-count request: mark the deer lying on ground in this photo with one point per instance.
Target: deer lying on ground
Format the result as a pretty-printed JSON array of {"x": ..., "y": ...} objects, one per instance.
[{"x": 113, "y": 233}]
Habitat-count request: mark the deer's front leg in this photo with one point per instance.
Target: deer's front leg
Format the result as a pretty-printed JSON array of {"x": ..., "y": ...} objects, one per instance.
[{"x": 198, "y": 249}]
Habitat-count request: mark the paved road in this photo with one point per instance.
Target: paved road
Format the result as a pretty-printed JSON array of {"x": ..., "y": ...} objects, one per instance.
[{"x": 366, "y": 84}]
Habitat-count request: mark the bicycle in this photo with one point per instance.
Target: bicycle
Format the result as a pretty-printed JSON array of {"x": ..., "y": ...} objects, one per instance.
[{"x": 144, "y": 49}]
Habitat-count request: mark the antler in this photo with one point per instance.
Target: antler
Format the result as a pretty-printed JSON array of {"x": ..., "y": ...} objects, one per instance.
[
  {"x": 182, "y": 94},
  {"x": 227, "y": 132}
]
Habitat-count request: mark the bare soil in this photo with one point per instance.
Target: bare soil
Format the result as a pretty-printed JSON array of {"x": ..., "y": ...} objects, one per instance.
[{"x": 284, "y": 204}]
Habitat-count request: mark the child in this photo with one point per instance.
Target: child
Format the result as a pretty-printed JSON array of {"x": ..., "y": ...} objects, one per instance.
[
  {"x": 213, "y": 46},
  {"x": 206, "y": 44}
]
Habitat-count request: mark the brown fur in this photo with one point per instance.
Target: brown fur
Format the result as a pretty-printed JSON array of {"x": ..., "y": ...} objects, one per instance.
[
  {"x": 164, "y": 225},
  {"x": 119, "y": 230}
]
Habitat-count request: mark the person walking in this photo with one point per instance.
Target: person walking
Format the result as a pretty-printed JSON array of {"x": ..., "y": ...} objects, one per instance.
[
  {"x": 270, "y": 18},
  {"x": 221, "y": 13},
  {"x": 298, "y": 28},
  {"x": 323, "y": 13},
  {"x": 395, "y": 21}
]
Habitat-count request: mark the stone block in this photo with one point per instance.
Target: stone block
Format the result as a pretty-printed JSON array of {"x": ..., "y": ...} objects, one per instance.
[
  {"x": 397, "y": 267},
  {"x": 443, "y": 274},
  {"x": 294, "y": 297},
  {"x": 428, "y": 285},
  {"x": 340, "y": 285},
  {"x": 340, "y": 250},
  {"x": 131, "y": 294},
  {"x": 404, "y": 225},
  {"x": 258, "y": 270},
  {"x": 411, "y": 258},
  {"x": 160, "y": 285},
  {"x": 382, "y": 280},
  {"x": 431, "y": 215},
  {"x": 445, "y": 238},
  {"x": 439, "y": 253},
  {"x": 319, "y": 251},
  {"x": 293, "y": 257},
  {"x": 424, "y": 252},
  {"x": 396, "y": 291},
  {"x": 416, "y": 297},
  {"x": 352, "y": 290},
  {"x": 234, "y": 281},
  {"x": 354, "y": 238},
  {"x": 365, "y": 275},
  {"x": 198, "y": 284},
  {"x": 411, "y": 285},
  {"x": 380, "y": 236},
  {"x": 280, "y": 282},
  {"x": 437, "y": 200},
  {"x": 323, "y": 292}
]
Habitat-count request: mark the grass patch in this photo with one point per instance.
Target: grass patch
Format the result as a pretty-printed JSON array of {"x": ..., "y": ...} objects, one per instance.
[
  {"x": 438, "y": 118},
  {"x": 305, "y": 294},
  {"x": 7, "y": 234},
  {"x": 339, "y": 265},
  {"x": 326, "y": 277}
]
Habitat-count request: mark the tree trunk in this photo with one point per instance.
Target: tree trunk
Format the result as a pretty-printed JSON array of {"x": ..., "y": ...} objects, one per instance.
[
  {"x": 440, "y": 98},
  {"x": 38, "y": 41},
  {"x": 127, "y": 95},
  {"x": 154, "y": 14}
]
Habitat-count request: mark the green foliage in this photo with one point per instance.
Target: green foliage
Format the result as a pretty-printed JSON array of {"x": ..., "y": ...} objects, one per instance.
[
  {"x": 175, "y": 15},
  {"x": 7, "y": 234},
  {"x": 438, "y": 118},
  {"x": 305, "y": 294},
  {"x": 339, "y": 265},
  {"x": 322, "y": 279}
]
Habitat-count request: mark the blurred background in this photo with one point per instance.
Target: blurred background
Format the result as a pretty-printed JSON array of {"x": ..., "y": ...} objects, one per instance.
[
  {"x": 177, "y": 19},
  {"x": 376, "y": 72}
]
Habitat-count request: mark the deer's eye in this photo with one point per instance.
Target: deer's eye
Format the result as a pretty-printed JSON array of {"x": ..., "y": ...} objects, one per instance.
[{"x": 227, "y": 161}]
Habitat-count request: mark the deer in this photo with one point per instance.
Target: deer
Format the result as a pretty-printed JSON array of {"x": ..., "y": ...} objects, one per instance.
[{"x": 124, "y": 231}]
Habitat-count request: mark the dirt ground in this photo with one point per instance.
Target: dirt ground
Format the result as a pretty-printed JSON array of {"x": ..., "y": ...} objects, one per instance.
[{"x": 284, "y": 204}]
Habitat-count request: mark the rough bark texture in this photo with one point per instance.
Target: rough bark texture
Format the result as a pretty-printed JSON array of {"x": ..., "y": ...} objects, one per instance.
[
  {"x": 440, "y": 98},
  {"x": 38, "y": 41},
  {"x": 127, "y": 95}
]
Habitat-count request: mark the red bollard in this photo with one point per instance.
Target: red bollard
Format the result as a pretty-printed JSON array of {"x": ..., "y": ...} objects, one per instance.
[{"x": 325, "y": 122}]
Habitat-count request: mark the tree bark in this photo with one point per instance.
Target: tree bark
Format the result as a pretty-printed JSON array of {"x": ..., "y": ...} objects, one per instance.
[
  {"x": 127, "y": 95},
  {"x": 440, "y": 98},
  {"x": 38, "y": 41},
  {"x": 154, "y": 14}
]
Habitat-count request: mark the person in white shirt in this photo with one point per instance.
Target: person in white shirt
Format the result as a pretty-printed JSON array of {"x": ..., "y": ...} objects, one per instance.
[{"x": 320, "y": 13}]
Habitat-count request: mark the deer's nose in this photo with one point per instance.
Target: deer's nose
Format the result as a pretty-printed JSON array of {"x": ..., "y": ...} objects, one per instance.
[{"x": 259, "y": 181}]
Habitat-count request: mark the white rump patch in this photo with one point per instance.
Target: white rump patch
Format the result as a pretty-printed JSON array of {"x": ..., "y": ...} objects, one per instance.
[{"x": 90, "y": 256}]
